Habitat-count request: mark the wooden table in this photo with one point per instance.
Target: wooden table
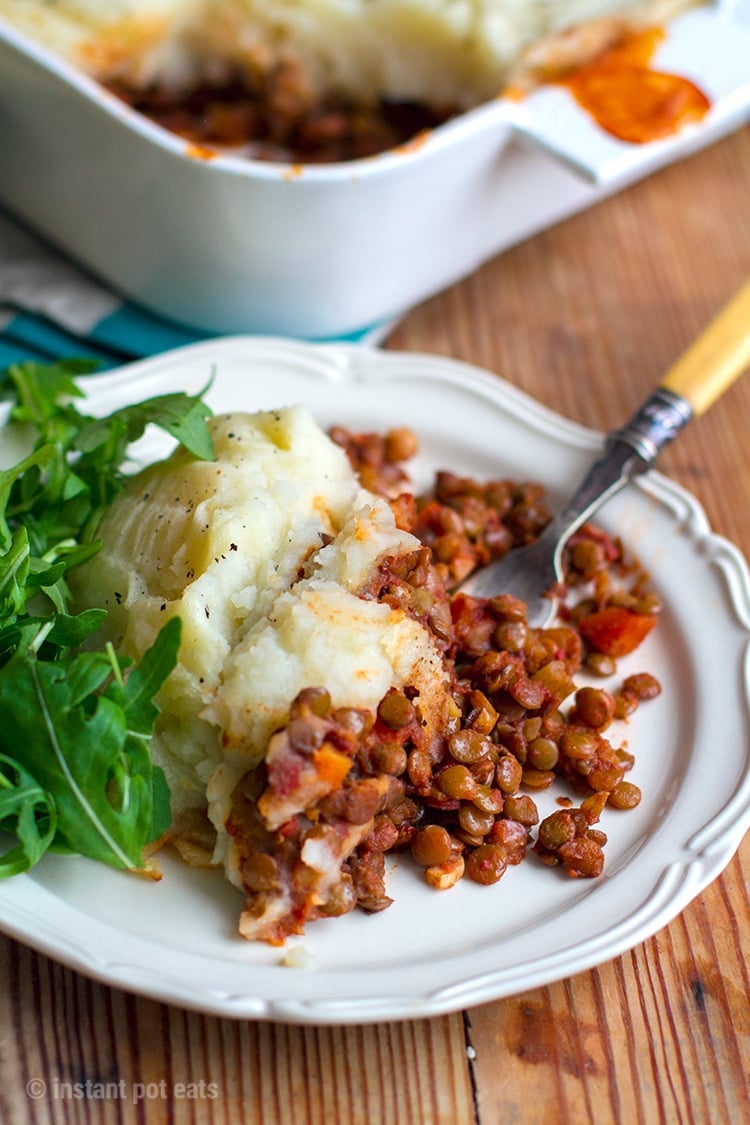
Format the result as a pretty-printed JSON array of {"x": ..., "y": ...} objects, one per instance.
[{"x": 585, "y": 317}]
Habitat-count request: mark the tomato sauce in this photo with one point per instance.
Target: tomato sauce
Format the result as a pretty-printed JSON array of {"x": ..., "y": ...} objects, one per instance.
[{"x": 631, "y": 100}]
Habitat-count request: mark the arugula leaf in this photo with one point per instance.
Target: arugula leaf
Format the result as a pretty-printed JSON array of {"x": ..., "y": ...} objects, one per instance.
[
  {"x": 38, "y": 387},
  {"x": 10, "y": 479},
  {"x": 45, "y": 634},
  {"x": 135, "y": 694},
  {"x": 28, "y": 813},
  {"x": 75, "y": 767},
  {"x": 181, "y": 416},
  {"x": 161, "y": 805},
  {"x": 88, "y": 751},
  {"x": 56, "y": 496},
  {"x": 14, "y": 573}
]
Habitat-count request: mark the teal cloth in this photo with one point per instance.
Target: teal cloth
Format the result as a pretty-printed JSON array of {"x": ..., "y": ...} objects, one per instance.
[
  {"x": 127, "y": 334},
  {"x": 51, "y": 309}
]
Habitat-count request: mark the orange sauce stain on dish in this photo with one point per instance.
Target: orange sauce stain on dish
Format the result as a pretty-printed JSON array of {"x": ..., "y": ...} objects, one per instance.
[
  {"x": 630, "y": 100},
  {"x": 415, "y": 143},
  {"x": 200, "y": 152}
]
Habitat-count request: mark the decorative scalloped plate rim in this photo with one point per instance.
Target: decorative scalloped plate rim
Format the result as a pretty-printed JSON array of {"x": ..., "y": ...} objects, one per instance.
[{"x": 432, "y": 953}]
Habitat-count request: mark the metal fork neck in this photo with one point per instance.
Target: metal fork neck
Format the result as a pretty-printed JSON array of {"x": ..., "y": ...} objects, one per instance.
[
  {"x": 628, "y": 451},
  {"x": 655, "y": 424}
]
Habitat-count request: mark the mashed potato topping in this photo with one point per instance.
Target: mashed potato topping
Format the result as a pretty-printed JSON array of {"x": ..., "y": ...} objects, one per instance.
[
  {"x": 321, "y": 633},
  {"x": 263, "y": 554},
  {"x": 215, "y": 544}
]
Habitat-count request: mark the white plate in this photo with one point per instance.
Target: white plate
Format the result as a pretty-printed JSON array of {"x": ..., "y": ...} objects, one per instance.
[{"x": 434, "y": 952}]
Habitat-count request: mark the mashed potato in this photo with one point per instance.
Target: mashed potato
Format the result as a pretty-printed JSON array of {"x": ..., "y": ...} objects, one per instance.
[
  {"x": 214, "y": 543},
  {"x": 452, "y": 52},
  {"x": 262, "y": 554}
]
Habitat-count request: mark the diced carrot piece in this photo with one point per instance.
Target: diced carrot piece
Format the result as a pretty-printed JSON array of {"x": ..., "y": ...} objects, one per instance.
[
  {"x": 615, "y": 631},
  {"x": 331, "y": 765}
]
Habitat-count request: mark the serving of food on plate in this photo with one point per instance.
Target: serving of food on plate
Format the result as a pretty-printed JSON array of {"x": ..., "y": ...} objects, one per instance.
[
  {"x": 335, "y": 698},
  {"x": 272, "y": 621}
]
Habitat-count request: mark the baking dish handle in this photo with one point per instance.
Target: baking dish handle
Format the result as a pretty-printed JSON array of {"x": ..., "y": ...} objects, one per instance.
[{"x": 708, "y": 45}]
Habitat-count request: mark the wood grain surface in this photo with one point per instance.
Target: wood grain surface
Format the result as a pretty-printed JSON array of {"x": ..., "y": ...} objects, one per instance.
[{"x": 585, "y": 317}]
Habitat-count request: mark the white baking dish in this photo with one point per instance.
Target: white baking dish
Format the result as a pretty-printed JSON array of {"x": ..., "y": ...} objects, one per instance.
[{"x": 236, "y": 245}]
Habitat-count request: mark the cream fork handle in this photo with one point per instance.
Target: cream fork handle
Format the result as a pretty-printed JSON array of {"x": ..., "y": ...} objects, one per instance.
[{"x": 716, "y": 358}]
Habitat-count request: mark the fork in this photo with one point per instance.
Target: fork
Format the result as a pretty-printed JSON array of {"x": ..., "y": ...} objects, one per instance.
[{"x": 719, "y": 355}]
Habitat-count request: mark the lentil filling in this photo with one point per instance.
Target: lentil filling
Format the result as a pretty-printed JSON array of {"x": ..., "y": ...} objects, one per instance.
[
  {"x": 340, "y": 789},
  {"x": 274, "y": 117}
]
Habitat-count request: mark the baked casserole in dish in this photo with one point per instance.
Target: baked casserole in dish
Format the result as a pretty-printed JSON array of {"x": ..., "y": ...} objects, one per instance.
[{"x": 312, "y": 168}]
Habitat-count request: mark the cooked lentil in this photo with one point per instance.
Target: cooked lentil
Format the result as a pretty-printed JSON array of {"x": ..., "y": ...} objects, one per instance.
[{"x": 460, "y": 802}]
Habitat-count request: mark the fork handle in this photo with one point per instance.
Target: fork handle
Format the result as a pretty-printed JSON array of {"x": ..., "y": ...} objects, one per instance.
[{"x": 716, "y": 358}]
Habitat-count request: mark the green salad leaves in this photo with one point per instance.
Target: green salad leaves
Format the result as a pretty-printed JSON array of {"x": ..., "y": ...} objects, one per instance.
[{"x": 75, "y": 724}]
